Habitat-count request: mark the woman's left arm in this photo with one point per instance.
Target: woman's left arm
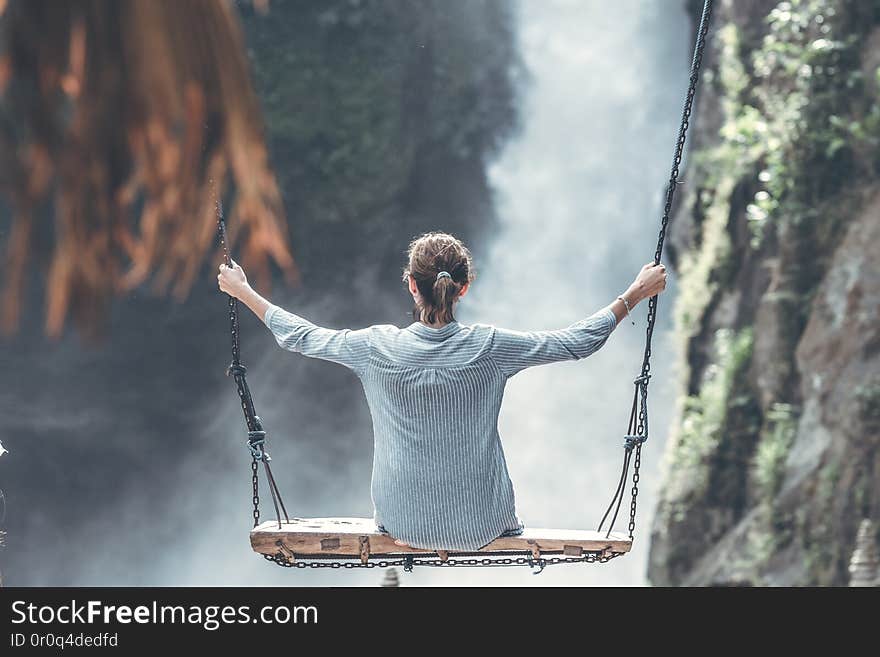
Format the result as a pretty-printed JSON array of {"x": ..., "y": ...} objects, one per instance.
[
  {"x": 514, "y": 351},
  {"x": 650, "y": 281}
]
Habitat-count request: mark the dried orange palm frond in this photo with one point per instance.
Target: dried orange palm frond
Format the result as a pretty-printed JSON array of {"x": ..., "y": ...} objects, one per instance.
[{"x": 132, "y": 117}]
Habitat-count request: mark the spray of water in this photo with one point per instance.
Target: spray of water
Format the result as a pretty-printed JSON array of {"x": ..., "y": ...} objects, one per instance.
[{"x": 579, "y": 194}]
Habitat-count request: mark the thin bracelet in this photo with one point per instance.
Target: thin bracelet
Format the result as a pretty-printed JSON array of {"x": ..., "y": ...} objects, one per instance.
[{"x": 628, "y": 309}]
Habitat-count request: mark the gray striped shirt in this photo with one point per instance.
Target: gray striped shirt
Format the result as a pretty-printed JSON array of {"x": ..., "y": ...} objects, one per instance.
[{"x": 440, "y": 479}]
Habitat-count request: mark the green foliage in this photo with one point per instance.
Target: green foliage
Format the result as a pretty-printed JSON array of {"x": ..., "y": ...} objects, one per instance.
[
  {"x": 868, "y": 400},
  {"x": 772, "y": 451},
  {"x": 808, "y": 70},
  {"x": 698, "y": 284},
  {"x": 821, "y": 544},
  {"x": 798, "y": 114},
  {"x": 770, "y": 528},
  {"x": 704, "y": 417},
  {"x": 732, "y": 73}
]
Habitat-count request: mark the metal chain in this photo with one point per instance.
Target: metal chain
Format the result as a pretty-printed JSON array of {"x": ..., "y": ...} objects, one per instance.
[
  {"x": 635, "y": 492},
  {"x": 639, "y": 418},
  {"x": 256, "y": 435},
  {"x": 255, "y": 480},
  {"x": 408, "y": 562}
]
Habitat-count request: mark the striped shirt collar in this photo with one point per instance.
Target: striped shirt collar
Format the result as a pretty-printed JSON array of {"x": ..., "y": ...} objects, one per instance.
[{"x": 437, "y": 334}]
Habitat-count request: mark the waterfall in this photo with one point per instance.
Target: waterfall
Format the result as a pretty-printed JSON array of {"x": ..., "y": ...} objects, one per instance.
[{"x": 579, "y": 196}]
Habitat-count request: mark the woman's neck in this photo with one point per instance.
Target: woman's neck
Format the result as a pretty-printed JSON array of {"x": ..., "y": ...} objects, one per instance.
[{"x": 436, "y": 325}]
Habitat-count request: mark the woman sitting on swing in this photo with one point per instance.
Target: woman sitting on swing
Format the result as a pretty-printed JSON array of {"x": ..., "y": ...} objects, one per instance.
[{"x": 434, "y": 389}]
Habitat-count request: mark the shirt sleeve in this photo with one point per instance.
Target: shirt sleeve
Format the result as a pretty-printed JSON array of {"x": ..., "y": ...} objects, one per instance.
[
  {"x": 294, "y": 333},
  {"x": 513, "y": 351}
]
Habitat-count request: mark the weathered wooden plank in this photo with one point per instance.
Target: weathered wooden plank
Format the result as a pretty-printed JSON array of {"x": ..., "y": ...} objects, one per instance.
[{"x": 355, "y": 536}]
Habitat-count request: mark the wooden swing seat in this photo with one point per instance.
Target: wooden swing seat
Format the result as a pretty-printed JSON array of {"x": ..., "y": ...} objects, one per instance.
[{"x": 360, "y": 538}]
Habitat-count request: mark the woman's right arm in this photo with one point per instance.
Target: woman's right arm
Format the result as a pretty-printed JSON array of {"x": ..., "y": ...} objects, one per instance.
[
  {"x": 233, "y": 281},
  {"x": 294, "y": 333},
  {"x": 514, "y": 351}
]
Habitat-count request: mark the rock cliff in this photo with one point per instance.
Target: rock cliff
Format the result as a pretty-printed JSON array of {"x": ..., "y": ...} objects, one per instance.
[{"x": 773, "y": 461}]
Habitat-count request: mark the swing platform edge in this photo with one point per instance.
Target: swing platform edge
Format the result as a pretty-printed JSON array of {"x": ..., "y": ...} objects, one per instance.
[{"x": 346, "y": 536}]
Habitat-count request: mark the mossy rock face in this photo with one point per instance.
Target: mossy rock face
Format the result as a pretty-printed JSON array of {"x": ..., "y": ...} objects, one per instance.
[
  {"x": 381, "y": 118},
  {"x": 775, "y": 244},
  {"x": 704, "y": 493}
]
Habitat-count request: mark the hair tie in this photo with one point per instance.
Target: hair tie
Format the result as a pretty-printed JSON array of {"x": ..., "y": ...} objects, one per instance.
[{"x": 443, "y": 274}]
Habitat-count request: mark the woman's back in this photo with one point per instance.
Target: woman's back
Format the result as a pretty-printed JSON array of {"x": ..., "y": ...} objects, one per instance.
[
  {"x": 434, "y": 389},
  {"x": 439, "y": 475},
  {"x": 440, "y": 480}
]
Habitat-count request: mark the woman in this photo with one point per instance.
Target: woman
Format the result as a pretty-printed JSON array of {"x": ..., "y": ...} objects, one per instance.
[{"x": 434, "y": 389}]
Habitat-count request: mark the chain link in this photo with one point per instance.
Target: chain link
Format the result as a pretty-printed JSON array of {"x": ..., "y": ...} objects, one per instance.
[
  {"x": 639, "y": 418},
  {"x": 409, "y": 562},
  {"x": 635, "y": 492},
  {"x": 255, "y": 480}
]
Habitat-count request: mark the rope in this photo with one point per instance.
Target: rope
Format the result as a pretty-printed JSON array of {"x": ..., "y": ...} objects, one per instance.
[{"x": 637, "y": 432}]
